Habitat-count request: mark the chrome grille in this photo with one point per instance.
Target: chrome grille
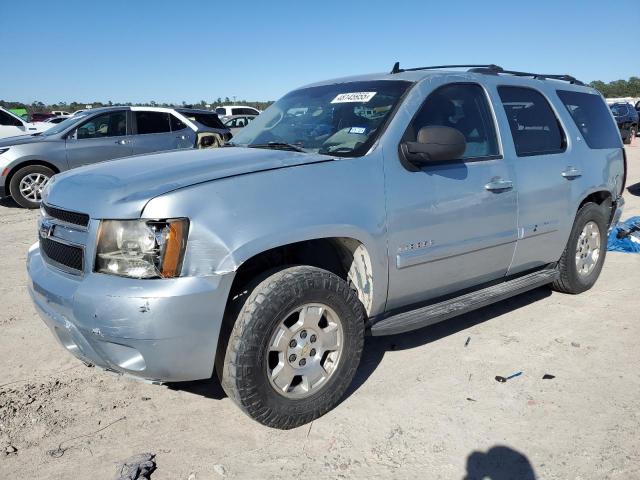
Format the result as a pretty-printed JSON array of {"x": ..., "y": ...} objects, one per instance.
[
  {"x": 67, "y": 216},
  {"x": 64, "y": 255}
]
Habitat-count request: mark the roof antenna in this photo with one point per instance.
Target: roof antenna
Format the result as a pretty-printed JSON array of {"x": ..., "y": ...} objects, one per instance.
[{"x": 396, "y": 68}]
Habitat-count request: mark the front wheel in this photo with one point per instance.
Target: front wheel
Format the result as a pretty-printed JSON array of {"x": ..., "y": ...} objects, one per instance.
[
  {"x": 294, "y": 348},
  {"x": 27, "y": 184},
  {"x": 583, "y": 257}
]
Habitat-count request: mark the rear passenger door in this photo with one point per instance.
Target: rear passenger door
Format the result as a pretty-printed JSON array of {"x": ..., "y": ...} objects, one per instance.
[
  {"x": 544, "y": 173},
  {"x": 152, "y": 132},
  {"x": 184, "y": 136},
  {"x": 451, "y": 225}
]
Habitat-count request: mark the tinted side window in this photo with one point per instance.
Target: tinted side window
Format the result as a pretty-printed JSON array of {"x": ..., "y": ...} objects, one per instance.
[
  {"x": 464, "y": 107},
  {"x": 207, "y": 119},
  {"x": 152, "y": 122},
  {"x": 221, "y": 111},
  {"x": 8, "y": 120},
  {"x": 177, "y": 124},
  {"x": 534, "y": 126},
  {"x": 111, "y": 124},
  {"x": 243, "y": 111},
  {"x": 591, "y": 116}
]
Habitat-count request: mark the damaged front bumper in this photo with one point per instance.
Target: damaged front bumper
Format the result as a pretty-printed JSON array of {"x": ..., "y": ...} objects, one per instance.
[{"x": 162, "y": 330}]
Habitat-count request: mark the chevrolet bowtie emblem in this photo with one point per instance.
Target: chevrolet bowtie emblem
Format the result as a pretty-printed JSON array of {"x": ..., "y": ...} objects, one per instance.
[{"x": 46, "y": 228}]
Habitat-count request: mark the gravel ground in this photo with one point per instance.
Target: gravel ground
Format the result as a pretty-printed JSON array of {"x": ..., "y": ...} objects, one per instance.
[{"x": 423, "y": 405}]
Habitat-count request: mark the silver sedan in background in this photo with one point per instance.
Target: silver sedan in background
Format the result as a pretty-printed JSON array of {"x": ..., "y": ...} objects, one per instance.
[{"x": 28, "y": 162}]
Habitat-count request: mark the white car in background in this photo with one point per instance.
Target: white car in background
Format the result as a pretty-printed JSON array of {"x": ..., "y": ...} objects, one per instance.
[
  {"x": 228, "y": 110},
  {"x": 60, "y": 113},
  {"x": 11, "y": 125}
]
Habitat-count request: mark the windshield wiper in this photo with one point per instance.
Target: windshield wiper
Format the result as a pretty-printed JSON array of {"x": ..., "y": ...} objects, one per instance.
[{"x": 278, "y": 146}]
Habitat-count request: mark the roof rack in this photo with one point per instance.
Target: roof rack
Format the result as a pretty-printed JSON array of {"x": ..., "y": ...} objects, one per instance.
[{"x": 491, "y": 69}]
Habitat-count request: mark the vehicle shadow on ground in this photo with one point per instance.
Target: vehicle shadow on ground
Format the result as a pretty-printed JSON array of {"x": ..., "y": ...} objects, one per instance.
[
  {"x": 634, "y": 189},
  {"x": 376, "y": 347},
  {"x": 499, "y": 463},
  {"x": 9, "y": 203}
]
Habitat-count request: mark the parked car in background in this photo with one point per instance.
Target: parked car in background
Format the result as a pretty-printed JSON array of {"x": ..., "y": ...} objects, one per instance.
[
  {"x": 55, "y": 120},
  {"x": 236, "y": 122},
  {"x": 27, "y": 163},
  {"x": 60, "y": 113},
  {"x": 228, "y": 110},
  {"x": 40, "y": 116},
  {"x": 627, "y": 119},
  {"x": 11, "y": 125},
  {"x": 392, "y": 202}
]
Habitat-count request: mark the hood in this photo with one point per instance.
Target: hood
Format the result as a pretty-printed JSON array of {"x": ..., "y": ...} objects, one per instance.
[
  {"x": 121, "y": 188},
  {"x": 23, "y": 139}
]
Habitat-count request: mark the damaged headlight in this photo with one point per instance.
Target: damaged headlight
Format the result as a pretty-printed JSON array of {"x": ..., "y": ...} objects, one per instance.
[{"x": 142, "y": 248}]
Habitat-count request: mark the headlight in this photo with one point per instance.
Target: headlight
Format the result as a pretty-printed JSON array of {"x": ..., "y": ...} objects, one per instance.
[{"x": 142, "y": 248}]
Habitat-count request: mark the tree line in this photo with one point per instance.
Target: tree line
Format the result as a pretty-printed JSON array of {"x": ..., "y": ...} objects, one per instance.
[
  {"x": 37, "y": 106},
  {"x": 618, "y": 88}
]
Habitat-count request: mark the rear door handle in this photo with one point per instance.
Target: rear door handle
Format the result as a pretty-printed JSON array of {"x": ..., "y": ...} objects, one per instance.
[
  {"x": 499, "y": 184},
  {"x": 571, "y": 172},
  {"x": 181, "y": 137},
  {"x": 123, "y": 142}
]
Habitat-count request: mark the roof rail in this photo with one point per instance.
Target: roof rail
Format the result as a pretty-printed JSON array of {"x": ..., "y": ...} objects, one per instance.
[
  {"x": 492, "y": 69},
  {"x": 397, "y": 69}
]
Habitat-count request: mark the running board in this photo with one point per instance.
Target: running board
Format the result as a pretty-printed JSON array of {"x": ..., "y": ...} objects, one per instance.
[{"x": 424, "y": 316}]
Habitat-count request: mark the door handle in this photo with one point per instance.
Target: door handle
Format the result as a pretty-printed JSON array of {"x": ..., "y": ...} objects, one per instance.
[
  {"x": 499, "y": 184},
  {"x": 571, "y": 172},
  {"x": 123, "y": 142},
  {"x": 181, "y": 137}
]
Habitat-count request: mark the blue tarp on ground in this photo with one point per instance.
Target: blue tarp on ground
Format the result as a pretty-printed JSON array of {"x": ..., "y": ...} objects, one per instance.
[{"x": 630, "y": 243}]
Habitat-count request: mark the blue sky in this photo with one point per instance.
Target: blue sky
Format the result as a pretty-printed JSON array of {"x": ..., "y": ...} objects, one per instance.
[{"x": 180, "y": 50}]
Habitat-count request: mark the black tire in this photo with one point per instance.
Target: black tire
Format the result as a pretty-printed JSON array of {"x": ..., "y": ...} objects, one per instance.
[
  {"x": 570, "y": 280},
  {"x": 14, "y": 185},
  {"x": 244, "y": 372}
]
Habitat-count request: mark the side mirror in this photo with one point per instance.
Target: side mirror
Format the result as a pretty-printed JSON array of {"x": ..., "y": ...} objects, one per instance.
[{"x": 435, "y": 144}]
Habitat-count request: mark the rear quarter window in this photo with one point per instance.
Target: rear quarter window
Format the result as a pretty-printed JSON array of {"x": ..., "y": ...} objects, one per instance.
[{"x": 592, "y": 117}]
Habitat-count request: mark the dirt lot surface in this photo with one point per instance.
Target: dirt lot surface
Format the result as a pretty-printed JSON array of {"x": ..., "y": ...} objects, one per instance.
[{"x": 423, "y": 405}]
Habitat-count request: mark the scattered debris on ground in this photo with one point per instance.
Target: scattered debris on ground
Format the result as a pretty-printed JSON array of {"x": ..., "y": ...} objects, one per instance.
[
  {"x": 504, "y": 379},
  {"x": 138, "y": 467},
  {"x": 467, "y": 342},
  {"x": 548, "y": 376}
]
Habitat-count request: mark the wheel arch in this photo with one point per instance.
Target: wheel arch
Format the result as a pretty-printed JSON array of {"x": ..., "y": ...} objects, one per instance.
[
  {"x": 345, "y": 256},
  {"x": 27, "y": 163}
]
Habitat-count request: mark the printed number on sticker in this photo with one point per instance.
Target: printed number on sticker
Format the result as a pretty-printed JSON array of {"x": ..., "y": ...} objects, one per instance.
[{"x": 354, "y": 97}]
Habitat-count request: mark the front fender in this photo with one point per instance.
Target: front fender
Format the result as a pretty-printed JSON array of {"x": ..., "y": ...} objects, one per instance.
[{"x": 236, "y": 218}]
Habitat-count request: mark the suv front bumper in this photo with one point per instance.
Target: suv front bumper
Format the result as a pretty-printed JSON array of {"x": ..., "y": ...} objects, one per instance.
[{"x": 162, "y": 330}]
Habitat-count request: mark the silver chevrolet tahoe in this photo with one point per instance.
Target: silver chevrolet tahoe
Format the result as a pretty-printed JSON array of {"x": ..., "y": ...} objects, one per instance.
[{"x": 375, "y": 204}]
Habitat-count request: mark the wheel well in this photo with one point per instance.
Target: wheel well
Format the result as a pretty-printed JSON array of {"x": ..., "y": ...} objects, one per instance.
[
  {"x": 346, "y": 257},
  {"x": 600, "y": 197},
  {"x": 26, "y": 164}
]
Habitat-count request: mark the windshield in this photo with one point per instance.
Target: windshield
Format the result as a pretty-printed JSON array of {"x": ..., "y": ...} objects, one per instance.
[
  {"x": 62, "y": 126},
  {"x": 340, "y": 119}
]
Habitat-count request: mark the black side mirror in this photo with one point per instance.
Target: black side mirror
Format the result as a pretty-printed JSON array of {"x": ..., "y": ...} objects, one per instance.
[{"x": 435, "y": 144}]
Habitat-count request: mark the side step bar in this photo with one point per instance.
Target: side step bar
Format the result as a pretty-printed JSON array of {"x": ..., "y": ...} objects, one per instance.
[{"x": 424, "y": 316}]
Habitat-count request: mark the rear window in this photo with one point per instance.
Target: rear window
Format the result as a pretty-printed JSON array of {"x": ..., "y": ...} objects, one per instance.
[
  {"x": 590, "y": 114},
  {"x": 210, "y": 120},
  {"x": 152, "y": 122},
  {"x": 221, "y": 111},
  {"x": 619, "y": 110},
  {"x": 534, "y": 126}
]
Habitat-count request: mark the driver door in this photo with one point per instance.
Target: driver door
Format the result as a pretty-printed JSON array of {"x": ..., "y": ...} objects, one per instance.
[{"x": 452, "y": 225}]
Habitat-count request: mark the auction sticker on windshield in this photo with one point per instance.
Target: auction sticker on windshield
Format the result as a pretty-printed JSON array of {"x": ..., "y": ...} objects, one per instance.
[{"x": 354, "y": 97}]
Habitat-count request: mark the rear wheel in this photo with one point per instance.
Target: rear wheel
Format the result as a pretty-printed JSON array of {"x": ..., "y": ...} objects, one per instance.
[
  {"x": 27, "y": 184},
  {"x": 583, "y": 257},
  {"x": 294, "y": 348}
]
